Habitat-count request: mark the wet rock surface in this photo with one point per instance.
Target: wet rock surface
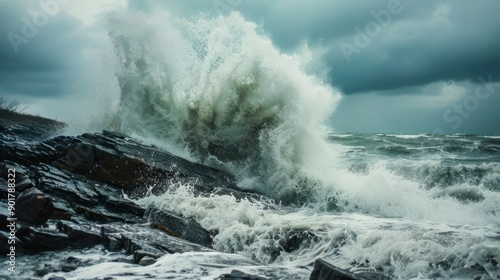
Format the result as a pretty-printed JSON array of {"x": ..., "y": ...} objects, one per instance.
[
  {"x": 76, "y": 193},
  {"x": 326, "y": 271},
  {"x": 75, "y": 204}
]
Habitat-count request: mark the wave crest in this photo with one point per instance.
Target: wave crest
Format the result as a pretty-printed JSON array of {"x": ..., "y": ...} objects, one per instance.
[{"x": 219, "y": 89}]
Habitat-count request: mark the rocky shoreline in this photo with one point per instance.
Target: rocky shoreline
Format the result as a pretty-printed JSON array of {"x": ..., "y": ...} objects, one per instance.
[{"x": 76, "y": 194}]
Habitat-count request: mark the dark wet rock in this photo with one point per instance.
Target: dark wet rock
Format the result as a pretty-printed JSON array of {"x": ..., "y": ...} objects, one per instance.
[
  {"x": 156, "y": 244},
  {"x": 33, "y": 206},
  {"x": 180, "y": 227},
  {"x": 138, "y": 247},
  {"x": 114, "y": 159},
  {"x": 65, "y": 265},
  {"x": 81, "y": 189},
  {"x": 62, "y": 209},
  {"x": 14, "y": 131},
  {"x": 98, "y": 214},
  {"x": 139, "y": 240},
  {"x": 123, "y": 205},
  {"x": 80, "y": 235},
  {"x": 5, "y": 246},
  {"x": 23, "y": 182},
  {"x": 42, "y": 240},
  {"x": 289, "y": 240},
  {"x": 71, "y": 264},
  {"x": 240, "y": 275},
  {"x": 297, "y": 239},
  {"x": 326, "y": 271},
  {"x": 112, "y": 242},
  {"x": 53, "y": 181}
]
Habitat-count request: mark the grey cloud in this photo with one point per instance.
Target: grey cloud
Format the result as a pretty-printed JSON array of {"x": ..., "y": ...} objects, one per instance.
[
  {"x": 460, "y": 49},
  {"x": 405, "y": 111},
  {"x": 405, "y": 59},
  {"x": 42, "y": 66},
  {"x": 415, "y": 49}
]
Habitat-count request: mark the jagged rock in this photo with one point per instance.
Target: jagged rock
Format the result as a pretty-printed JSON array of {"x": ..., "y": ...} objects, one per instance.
[
  {"x": 53, "y": 181},
  {"x": 23, "y": 182},
  {"x": 240, "y": 275},
  {"x": 79, "y": 187},
  {"x": 71, "y": 264},
  {"x": 139, "y": 248},
  {"x": 39, "y": 240},
  {"x": 112, "y": 238},
  {"x": 180, "y": 227},
  {"x": 62, "y": 209},
  {"x": 114, "y": 159},
  {"x": 33, "y": 206},
  {"x": 154, "y": 243},
  {"x": 325, "y": 271},
  {"x": 112, "y": 242},
  {"x": 123, "y": 205},
  {"x": 80, "y": 236},
  {"x": 99, "y": 214}
]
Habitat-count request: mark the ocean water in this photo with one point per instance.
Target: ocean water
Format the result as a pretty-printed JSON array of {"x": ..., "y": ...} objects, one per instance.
[{"x": 217, "y": 91}]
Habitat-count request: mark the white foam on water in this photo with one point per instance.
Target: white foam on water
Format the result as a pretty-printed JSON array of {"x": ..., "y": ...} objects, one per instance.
[
  {"x": 203, "y": 266},
  {"x": 402, "y": 246}
]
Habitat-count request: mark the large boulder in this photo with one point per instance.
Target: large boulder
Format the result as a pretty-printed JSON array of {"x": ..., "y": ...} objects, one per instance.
[
  {"x": 33, "y": 207},
  {"x": 326, "y": 271},
  {"x": 180, "y": 227}
]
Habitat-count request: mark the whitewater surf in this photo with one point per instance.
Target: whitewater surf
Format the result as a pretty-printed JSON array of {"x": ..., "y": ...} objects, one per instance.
[{"x": 217, "y": 91}]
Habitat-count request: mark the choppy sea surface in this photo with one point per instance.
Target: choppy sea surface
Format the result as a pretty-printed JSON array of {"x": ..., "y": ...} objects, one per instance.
[{"x": 413, "y": 206}]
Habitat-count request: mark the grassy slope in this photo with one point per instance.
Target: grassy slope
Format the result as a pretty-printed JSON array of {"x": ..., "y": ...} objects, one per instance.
[{"x": 27, "y": 119}]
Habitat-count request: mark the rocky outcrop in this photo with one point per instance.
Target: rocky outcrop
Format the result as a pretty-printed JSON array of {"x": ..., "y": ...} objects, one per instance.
[
  {"x": 326, "y": 271},
  {"x": 75, "y": 193},
  {"x": 34, "y": 207}
]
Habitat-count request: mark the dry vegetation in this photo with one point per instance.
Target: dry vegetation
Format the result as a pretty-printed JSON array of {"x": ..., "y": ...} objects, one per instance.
[{"x": 11, "y": 110}]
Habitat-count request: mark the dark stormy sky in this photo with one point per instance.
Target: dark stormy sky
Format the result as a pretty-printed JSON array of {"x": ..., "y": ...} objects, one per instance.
[{"x": 403, "y": 66}]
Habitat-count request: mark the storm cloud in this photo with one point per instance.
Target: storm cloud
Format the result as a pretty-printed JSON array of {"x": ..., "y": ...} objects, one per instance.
[
  {"x": 39, "y": 52},
  {"x": 417, "y": 58},
  {"x": 419, "y": 43}
]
